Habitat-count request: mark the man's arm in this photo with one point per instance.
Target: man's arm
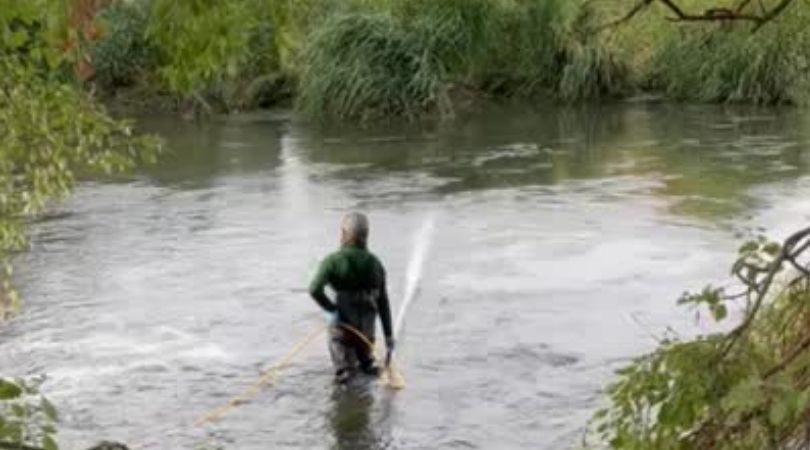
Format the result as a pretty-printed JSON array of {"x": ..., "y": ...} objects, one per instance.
[{"x": 316, "y": 288}]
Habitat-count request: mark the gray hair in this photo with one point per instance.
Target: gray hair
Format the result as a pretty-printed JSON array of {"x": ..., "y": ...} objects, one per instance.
[{"x": 354, "y": 226}]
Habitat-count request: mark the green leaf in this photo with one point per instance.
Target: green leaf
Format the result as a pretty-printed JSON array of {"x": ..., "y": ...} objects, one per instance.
[
  {"x": 49, "y": 443},
  {"x": 748, "y": 247},
  {"x": 772, "y": 248},
  {"x": 18, "y": 39},
  {"x": 49, "y": 410},
  {"x": 719, "y": 311},
  {"x": 9, "y": 390}
]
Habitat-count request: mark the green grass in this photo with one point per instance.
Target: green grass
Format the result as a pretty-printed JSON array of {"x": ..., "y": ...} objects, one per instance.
[
  {"x": 403, "y": 58},
  {"x": 361, "y": 66}
]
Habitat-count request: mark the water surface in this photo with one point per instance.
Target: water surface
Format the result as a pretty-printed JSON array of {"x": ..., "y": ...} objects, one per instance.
[{"x": 563, "y": 237}]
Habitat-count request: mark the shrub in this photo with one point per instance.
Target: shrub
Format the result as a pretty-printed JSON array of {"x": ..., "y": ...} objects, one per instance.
[{"x": 123, "y": 52}]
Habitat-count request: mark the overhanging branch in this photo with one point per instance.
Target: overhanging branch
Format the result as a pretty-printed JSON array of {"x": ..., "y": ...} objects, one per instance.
[{"x": 717, "y": 14}]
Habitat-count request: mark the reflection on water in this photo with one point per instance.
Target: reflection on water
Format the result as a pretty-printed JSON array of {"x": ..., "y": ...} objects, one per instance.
[
  {"x": 563, "y": 237},
  {"x": 359, "y": 420}
]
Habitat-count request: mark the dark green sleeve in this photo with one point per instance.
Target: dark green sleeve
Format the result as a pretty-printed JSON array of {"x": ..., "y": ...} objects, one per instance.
[
  {"x": 384, "y": 306},
  {"x": 316, "y": 287}
]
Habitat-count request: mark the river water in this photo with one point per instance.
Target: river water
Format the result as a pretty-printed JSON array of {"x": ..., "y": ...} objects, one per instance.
[{"x": 562, "y": 239}]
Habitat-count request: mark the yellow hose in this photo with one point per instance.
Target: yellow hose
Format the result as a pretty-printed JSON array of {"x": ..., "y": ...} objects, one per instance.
[{"x": 391, "y": 377}]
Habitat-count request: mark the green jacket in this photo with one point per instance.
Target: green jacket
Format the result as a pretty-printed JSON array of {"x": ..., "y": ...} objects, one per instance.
[{"x": 358, "y": 279}]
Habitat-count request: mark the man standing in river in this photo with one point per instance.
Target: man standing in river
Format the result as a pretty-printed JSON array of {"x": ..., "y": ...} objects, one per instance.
[{"x": 358, "y": 280}]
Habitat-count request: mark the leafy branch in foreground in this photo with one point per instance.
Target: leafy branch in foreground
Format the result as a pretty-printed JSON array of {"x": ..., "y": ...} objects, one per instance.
[
  {"x": 50, "y": 134},
  {"x": 748, "y": 388},
  {"x": 27, "y": 419}
]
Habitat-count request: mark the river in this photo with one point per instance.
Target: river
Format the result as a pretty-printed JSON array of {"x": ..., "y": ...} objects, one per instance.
[{"x": 563, "y": 238}]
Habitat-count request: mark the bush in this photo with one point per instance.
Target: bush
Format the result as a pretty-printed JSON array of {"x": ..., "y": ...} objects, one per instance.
[{"x": 123, "y": 51}]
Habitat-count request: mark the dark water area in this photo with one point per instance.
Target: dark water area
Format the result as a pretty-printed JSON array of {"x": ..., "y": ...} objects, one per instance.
[{"x": 562, "y": 239}]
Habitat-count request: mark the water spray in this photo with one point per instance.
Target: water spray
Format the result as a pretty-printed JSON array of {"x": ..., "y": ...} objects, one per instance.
[{"x": 413, "y": 277}]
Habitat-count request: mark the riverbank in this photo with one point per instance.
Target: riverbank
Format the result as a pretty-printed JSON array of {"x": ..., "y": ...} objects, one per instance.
[{"x": 357, "y": 61}]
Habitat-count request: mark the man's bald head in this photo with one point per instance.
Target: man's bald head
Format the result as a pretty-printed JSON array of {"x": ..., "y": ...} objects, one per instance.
[{"x": 354, "y": 229}]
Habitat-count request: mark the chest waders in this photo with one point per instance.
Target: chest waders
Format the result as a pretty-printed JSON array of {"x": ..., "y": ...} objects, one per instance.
[{"x": 353, "y": 331}]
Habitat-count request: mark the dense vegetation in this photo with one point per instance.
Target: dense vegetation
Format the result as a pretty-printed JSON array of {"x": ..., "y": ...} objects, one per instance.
[{"x": 357, "y": 59}]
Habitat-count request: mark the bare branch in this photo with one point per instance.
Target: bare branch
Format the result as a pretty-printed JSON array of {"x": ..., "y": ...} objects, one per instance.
[
  {"x": 642, "y": 4},
  {"x": 716, "y": 14},
  {"x": 788, "y": 251}
]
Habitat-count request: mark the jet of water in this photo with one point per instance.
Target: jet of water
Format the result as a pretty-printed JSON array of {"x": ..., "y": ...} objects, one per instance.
[{"x": 413, "y": 276}]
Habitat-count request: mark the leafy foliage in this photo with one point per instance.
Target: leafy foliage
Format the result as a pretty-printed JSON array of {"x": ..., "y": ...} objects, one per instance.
[
  {"x": 744, "y": 389},
  {"x": 201, "y": 42},
  {"x": 50, "y": 134},
  {"x": 34, "y": 30},
  {"x": 26, "y": 417},
  {"x": 123, "y": 51}
]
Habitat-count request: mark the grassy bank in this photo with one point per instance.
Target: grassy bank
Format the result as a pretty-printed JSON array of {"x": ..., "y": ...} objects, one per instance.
[{"x": 361, "y": 59}]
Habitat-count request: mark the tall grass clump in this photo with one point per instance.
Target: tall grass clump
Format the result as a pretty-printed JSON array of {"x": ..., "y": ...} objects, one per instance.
[
  {"x": 593, "y": 67},
  {"x": 462, "y": 35},
  {"x": 592, "y": 72},
  {"x": 530, "y": 50},
  {"x": 360, "y": 66},
  {"x": 407, "y": 57},
  {"x": 398, "y": 60},
  {"x": 730, "y": 63}
]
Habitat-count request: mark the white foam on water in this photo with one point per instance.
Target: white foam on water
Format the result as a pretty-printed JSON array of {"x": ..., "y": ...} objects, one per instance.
[{"x": 413, "y": 275}]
